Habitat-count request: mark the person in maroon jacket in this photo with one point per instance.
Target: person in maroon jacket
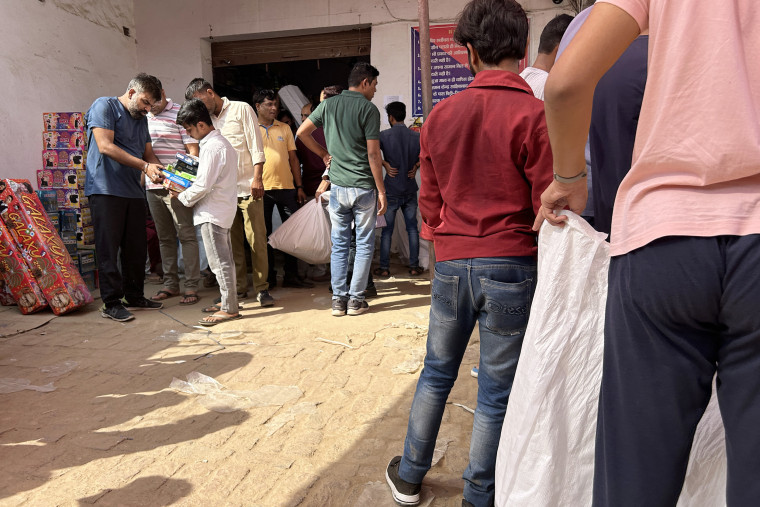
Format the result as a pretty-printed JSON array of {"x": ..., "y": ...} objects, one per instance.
[{"x": 485, "y": 159}]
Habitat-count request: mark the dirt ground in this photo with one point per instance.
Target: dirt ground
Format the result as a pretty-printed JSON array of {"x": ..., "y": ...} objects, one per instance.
[{"x": 113, "y": 432}]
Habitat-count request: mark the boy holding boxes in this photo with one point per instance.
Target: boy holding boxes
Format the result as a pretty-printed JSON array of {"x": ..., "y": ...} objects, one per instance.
[{"x": 213, "y": 196}]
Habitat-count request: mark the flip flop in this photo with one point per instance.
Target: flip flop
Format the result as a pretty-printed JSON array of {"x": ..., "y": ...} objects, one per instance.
[
  {"x": 189, "y": 299},
  {"x": 382, "y": 272},
  {"x": 216, "y": 308},
  {"x": 219, "y": 319},
  {"x": 416, "y": 271},
  {"x": 163, "y": 294}
]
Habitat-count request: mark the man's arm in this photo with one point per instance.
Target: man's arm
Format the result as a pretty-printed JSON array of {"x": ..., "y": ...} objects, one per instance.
[
  {"x": 569, "y": 94},
  {"x": 295, "y": 169},
  {"x": 193, "y": 149},
  {"x": 392, "y": 171},
  {"x": 150, "y": 165},
  {"x": 256, "y": 147},
  {"x": 304, "y": 134},
  {"x": 376, "y": 164}
]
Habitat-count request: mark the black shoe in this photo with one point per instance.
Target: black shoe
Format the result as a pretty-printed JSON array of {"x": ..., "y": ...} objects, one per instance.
[
  {"x": 339, "y": 307},
  {"x": 209, "y": 279},
  {"x": 404, "y": 493},
  {"x": 297, "y": 283},
  {"x": 264, "y": 298},
  {"x": 370, "y": 291},
  {"x": 143, "y": 304},
  {"x": 356, "y": 307},
  {"x": 116, "y": 312}
]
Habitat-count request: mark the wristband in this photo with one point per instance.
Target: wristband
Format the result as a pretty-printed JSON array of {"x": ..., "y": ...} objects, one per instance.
[
  {"x": 299, "y": 186},
  {"x": 145, "y": 167},
  {"x": 563, "y": 179}
]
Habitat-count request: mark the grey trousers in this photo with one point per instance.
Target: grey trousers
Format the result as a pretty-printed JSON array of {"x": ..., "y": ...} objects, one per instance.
[
  {"x": 174, "y": 221},
  {"x": 219, "y": 252}
]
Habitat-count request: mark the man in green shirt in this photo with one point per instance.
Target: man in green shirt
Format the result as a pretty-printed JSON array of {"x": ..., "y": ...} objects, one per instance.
[{"x": 352, "y": 131}]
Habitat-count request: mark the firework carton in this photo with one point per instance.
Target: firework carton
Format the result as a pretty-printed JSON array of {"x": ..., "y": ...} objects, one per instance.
[
  {"x": 16, "y": 277},
  {"x": 63, "y": 121},
  {"x": 42, "y": 248},
  {"x": 63, "y": 159},
  {"x": 86, "y": 237},
  {"x": 63, "y": 140},
  {"x": 49, "y": 199},
  {"x": 60, "y": 178},
  {"x": 84, "y": 217},
  {"x": 69, "y": 198}
]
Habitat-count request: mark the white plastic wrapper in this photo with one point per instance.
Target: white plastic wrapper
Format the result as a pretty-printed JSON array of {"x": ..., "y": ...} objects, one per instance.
[
  {"x": 546, "y": 451},
  {"x": 305, "y": 235}
]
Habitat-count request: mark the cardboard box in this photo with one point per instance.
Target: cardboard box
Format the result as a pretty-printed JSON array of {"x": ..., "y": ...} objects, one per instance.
[
  {"x": 55, "y": 220},
  {"x": 71, "y": 199},
  {"x": 49, "y": 199},
  {"x": 64, "y": 121},
  {"x": 42, "y": 248},
  {"x": 68, "y": 220},
  {"x": 69, "y": 241},
  {"x": 91, "y": 280},
  {"x": 63, "y": 159},
  {"x": 64, "y": 140},
  {"x": 84, "y": 217},
  {"x": 86, "y": 237},
  {"x": 86, "y": 261},
  {"x": 60, "y": 178},
  {"x": 16, "y": 277}
]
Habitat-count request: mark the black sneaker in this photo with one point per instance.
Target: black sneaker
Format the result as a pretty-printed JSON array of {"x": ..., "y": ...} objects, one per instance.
[
  {"x": 143, "y": 304},
  {"x": 116, "y": 312},
  {"x": 404, "y": 493},
  {"x": 264, "y": 298},
  {"x": 356, "y": 307},
  {"x": 297, "y": 283},
  {"x": 339, "y": 307},
  {"x": 370, "y": 291}
]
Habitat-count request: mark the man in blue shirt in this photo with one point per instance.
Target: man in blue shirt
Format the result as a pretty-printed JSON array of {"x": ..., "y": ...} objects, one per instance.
[
  {"x": 119, "y": 154},
  {"x": 401, "y": 154}
]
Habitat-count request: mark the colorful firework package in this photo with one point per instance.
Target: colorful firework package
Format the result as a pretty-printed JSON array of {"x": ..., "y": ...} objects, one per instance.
[
  {"x": 16, "y": 278},
  {"x": 41, "y": 247}
]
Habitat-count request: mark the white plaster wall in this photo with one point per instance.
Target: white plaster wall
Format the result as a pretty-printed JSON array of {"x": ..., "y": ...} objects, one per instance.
[
  {"x": 57, "y": 55},
  {"x": 173, "y": 35}
]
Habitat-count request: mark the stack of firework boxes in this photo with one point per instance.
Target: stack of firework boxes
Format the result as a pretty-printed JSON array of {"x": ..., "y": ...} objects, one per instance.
[
  {"x": 182, "y": 173},
  {"x": 61, "y": 185},
  {"x": 35, "y": 267}
]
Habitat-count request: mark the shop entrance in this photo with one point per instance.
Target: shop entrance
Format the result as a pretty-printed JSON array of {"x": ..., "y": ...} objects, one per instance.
[{"x": 310, "y": 62}]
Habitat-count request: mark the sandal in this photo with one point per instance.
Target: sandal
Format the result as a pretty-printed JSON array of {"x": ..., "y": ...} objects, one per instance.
[
  {"x": 382, "y": 272},
  {"x": 416, "y": 271},
  {"x": 213, "y": 320},
  {"x": 189, "y": 299},
  {"x": 217, "y": 308},
  {"x": 164, "y": 294}
]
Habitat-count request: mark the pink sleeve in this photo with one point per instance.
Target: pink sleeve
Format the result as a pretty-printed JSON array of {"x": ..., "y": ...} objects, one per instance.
[{"x": 637, "y": 9}]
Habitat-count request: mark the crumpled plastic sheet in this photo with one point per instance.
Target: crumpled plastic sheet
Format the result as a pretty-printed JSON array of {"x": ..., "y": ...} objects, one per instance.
[
  {"x": 216, "y": 397},
  {"x": 378, "y": 494},
  {"x": 412, "y": 364},
  {"x": 60, "y": 369},
  {"x": 281, "y": 420},
  {"x": 441, "y": 446},
  {"x": 173, "y": 335},
  {"x": 14, "y": 385}
]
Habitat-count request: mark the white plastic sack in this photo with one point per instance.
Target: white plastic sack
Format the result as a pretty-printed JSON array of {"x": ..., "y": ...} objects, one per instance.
[
  {"x": 305, "y": 235},
  {"x": 546, "y": 451}
]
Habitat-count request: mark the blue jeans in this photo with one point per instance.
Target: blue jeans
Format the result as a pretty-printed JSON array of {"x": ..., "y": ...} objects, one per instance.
[
  {"x": 358, "y": 205},
  {"x": 495, "y": 293},
  {"x": 408, "y": 205}
]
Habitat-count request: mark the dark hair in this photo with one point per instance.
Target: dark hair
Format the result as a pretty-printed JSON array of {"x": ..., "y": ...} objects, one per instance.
[
  {"x": 192, "y": 112},
  {"x": 332, "y": 90},
  {"x": 197, "y": 85},
  {"x": 285, "y": 113},
  {"x": 553, "y": 32},
  {"x": 262, "y": 95},
  {"x": 397, "y": 110},
  {"x": 360, "y": 72},
  {"x": 497, "y": 29},
  {"x": 145, "y": 83}
]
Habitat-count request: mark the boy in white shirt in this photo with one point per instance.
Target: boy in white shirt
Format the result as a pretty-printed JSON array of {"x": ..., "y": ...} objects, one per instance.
[{"x": 213, "y": 197}]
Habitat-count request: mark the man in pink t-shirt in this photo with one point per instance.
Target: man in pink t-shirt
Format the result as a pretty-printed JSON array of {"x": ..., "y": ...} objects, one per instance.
[{"x": 683, "y": 291}]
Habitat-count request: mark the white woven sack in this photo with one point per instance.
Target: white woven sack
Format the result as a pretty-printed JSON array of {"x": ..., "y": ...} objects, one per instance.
[{"x": 546, "y": 451}]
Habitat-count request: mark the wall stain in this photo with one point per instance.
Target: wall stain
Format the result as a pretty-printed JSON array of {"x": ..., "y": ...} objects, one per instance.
[{"x": 111, "y": 14}]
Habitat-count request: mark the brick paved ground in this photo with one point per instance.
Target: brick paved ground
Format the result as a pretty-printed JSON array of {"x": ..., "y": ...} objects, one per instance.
[{"x": 114, "y": 433}]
